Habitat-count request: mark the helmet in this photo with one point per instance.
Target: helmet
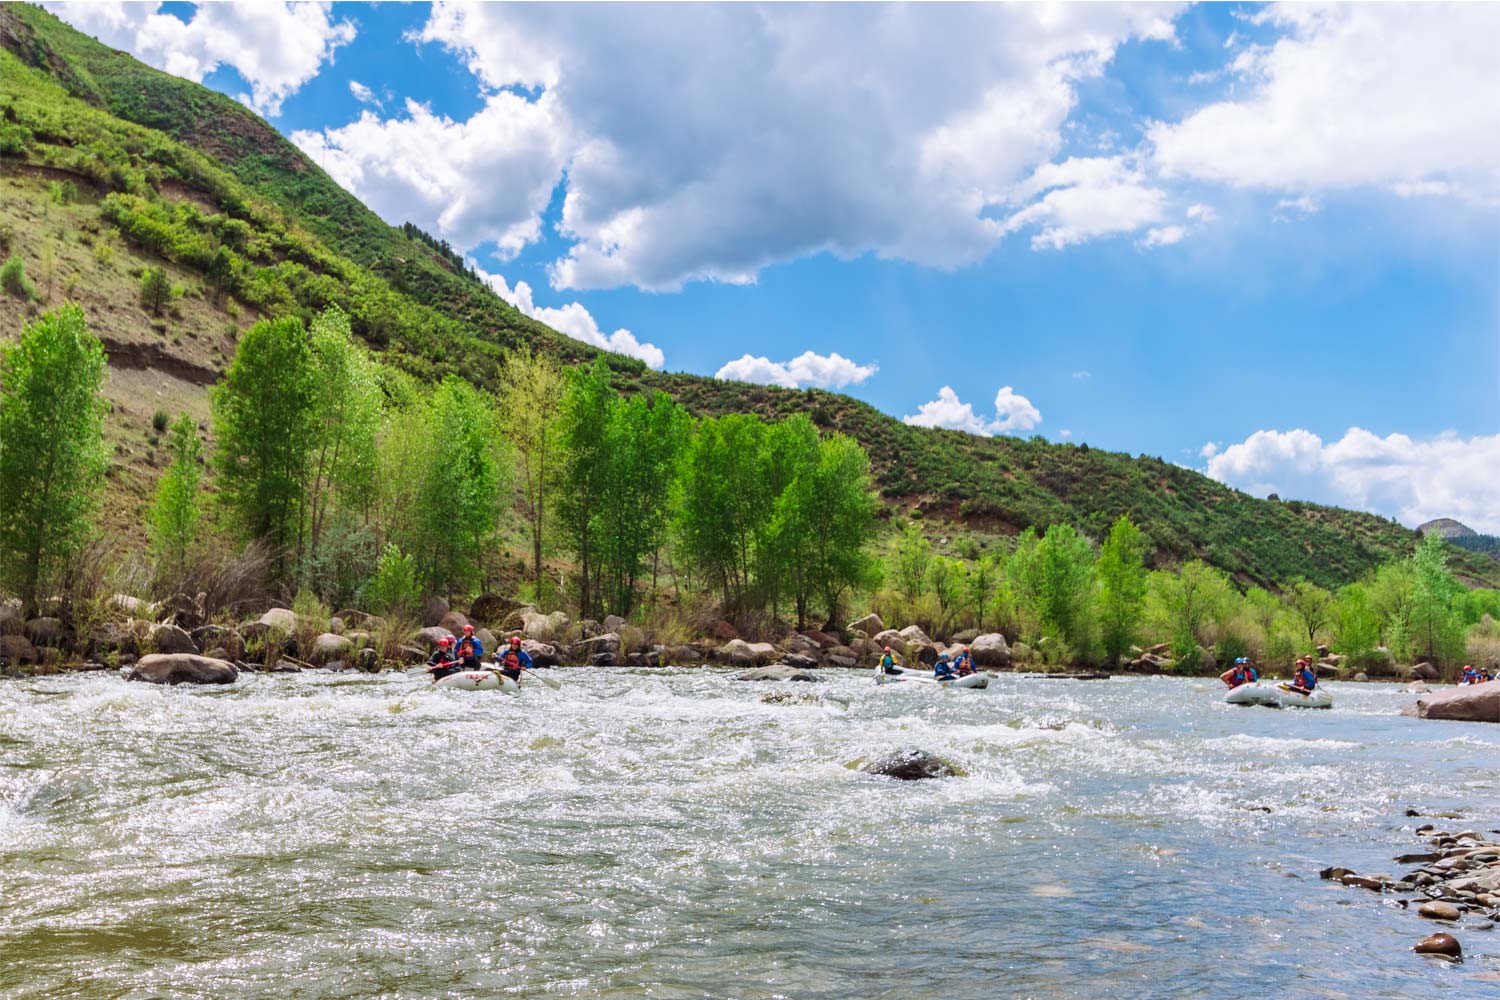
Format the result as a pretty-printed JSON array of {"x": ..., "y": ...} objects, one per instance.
[
  {"x": 1240, "y": 659},
  {"x": 515, "y": 640},
  {"x": 446, "y": 641},
  {"x": 468, "y": 630},
  {"x": 887, "y": 649},
  {"x": 966, "y": 649}
]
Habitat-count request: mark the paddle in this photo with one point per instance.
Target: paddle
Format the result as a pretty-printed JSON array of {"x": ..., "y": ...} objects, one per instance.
[
  {"x": 425, "y": 668},
  {"x": 545, "y": 680}
]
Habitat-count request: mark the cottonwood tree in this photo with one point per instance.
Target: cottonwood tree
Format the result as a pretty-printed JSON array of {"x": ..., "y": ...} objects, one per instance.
[
  {"x": 346, "y": 403},
  {"x": 585, "y": 481},
  {"x": 52, "y": 453},
  {"x": 1122, "y": 587},
  {"x": 264, "y": 414},
  {"x": 1054, "y": 576},
  {"x": 723, "y": 503},
  {"x": 1183, "y": 604},
  {"x": 1312, "y": 606},
  {"x": 530, "y": 418},
  {"x": 176, "y": 511}
]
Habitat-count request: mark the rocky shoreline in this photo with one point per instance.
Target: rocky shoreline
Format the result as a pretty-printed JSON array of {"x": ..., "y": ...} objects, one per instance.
[{"x": 1456, "y": 886}]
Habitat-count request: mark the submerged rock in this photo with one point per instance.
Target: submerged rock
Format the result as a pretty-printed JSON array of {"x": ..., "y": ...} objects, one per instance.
[
  {"x": 1436, "y": 909},
  {"x": 777, "y": 672},
  {"x": 1439, "y": 944},
  {"x": 911, "y": 764},
  {"x": 182, "y": 668}
]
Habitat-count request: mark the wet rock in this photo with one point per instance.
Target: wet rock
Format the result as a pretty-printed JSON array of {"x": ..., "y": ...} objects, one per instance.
[
  {"x": 1439, "y": 944},
  {"x": 990, "y": 649},
  {"x": 1335, "y": 873},
  {"x": 601, "y": 650},
  {"x": 870, "y": 624},
  {"x": 1438, "y": 910},
  {"x": 1361, "y": 676},
  {"x": 328, "y": 647},
  {"x": 681, "y": 656},
  {"x": 171, "y": 639},
  {"x": 776, "y": 672},
  {"x": 1471, "y": 703},
  {"x": 926, "y": 655},
  {"x": 433, "y": 611},
  {"x": 284, "y": 667},
  {"x": 1423, "y": 672},
  {"x": 44, "y": 631},
  {"x": 182, "y": 668},
  {"x": 367, "y": 661},
  {"x": 428, "y": 638},
  {"x": 543, "y": 654},
  {"x": 799, "y": 661},
  {"x": 1363, "y": 882},
  {"x": 911, "y": 764},
  {"x": 491, "y": 609}
]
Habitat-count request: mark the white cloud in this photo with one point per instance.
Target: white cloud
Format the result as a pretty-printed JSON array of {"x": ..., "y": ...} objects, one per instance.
[
  {"x": 364, "y": 95},
  {"x": 793, "y": 138},
  {"x": 478, "y": 181},
  {"x": 275, "y": 47},
  {"x": 1202, "y": 213},
  {"x": 1412, "y": 480},
  {"x": 1083, "y": 374},
  {"x": 1304, "y": 205},
  {"x": 1164, "y": 236},
  {"x": 807, "y": 369},
  {"x": 573, "y": 320},
  {"x": 1209, "y": 450},
  {"x": 1064, "y": 433},
  {"x": 1086, "y": 198},
  {"x": 1382, "y": 95},
  {"x": 1012, "y": 412}
]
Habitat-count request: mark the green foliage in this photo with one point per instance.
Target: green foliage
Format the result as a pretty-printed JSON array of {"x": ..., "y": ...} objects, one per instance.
[
  {"x": 156, "y": 290},
  {"x": 264, "y": 412},
  {"x": 393, "y": 589},
  {"x": 1311, "y": 605},
  {"x": 913, "y": 561},
  {"x": 530, "y": 418},
  {"x": 723, "y": 504},
  {"x": 1183, "y": 606},
  {"x": 160, "y": 420},
  {"x": 1432, "y": 629},
  {"x": 14, "y": 280},
  {"x": 63, "y": 192},
  {"x": 52, "y": 454},
  {"x": 1356, "y": 624},
  {"x": 1054, "y": 578},
  {"x": 1122, "y": 587},
  {"x": 175, "y": 514}
]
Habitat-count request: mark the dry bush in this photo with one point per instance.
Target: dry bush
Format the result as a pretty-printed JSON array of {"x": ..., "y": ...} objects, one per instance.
[
  {"x": 312, "y": 618},
  {"x": 389, "y": 634},
  {"x": 232, "y": 583}
]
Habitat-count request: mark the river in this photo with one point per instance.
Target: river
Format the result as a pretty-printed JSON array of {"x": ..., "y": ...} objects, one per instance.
[{"x": 668, "y": 834}]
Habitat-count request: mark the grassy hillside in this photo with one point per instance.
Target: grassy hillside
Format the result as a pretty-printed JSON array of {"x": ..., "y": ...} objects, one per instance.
[{"x": 100, "y": 151}]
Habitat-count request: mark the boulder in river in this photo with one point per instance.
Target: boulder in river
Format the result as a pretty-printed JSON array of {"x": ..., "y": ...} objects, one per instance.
[
  {"x": 16, "y": 649},
  {"x": 799, "y": 661},
  {"x": 545, "y": 628},
  {"x": 990, "y": 650},
  {"x": 910, "y": 764},
  {"x": 44, "y": 631},
  {"x": 601, "y": 650},
  {"x": 1436, "y": 909},
  {"x": 329, "y": 647},
  {"x": 1423, "y": 672},
  {"x": 1439, "y": 944},
  {"x": 182, "y": 668},
  {"x": 433, "y": 611},
  {"x": 429, "y": 637},
  {"x": 870, "y": 624},
  {"x": 1469, "y": 703},
  {"x": 453, "y": 622},
  {"x": 491, "y": 609},
  {"x": 171, "y": 639},
  {"x": 890, "y": 637},
  {"x": 777, "y": 672}
]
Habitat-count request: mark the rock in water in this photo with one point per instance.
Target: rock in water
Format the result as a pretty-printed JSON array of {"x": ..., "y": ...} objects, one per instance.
[
  {"x": 1470, "y": 703},
  {"x": 778, "y": 672},
  {"x": 1439, "y": 944},
  {"x": 911, "y": 764},
  {"x": 1438, "y": 910},
  {"x": 182, "y": 668}
]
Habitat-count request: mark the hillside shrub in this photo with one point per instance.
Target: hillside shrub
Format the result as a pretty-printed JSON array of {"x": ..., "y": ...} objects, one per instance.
[{"x": 14, "y": 280}]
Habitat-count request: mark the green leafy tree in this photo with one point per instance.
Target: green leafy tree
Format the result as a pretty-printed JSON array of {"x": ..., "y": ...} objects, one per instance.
[
  {"x": 947, "y": 581},
  {"x": 985, "y": 579},
  {"x": 723, "y": 504},
  {"x": 52, "y": 453},
  {"x": 1355, "y": 623},
  {"x": 176, "y": 512},
  {"x": 1433, "y": 629},
  {"x": 788, "y": 453},
  {"x": 265, "y": 414},
  {"x": 1122, "y": 587},
  {"x": 1054, "y": 576},
  {"x": 221, "y": 272},
  {"x": 913, "y": 560},
  {"x": 1311, "y": 605},
  {"x": 156, "y": 290},
  {"x": 346, "y": 418},
  {"x": 1184, "y": 604},
  {"x": 585, "y": 481},
  {"x": 530, "y": 417},
  {"x": 393, "y": 589}
]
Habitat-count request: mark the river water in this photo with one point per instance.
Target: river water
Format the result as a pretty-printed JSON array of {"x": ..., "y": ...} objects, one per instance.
[{"x": 668, "y": 834}]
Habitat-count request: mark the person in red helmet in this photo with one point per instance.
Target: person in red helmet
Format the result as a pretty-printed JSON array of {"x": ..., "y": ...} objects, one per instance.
[
  {"x": 468, "y": 649},
  {"x": 963, "y": 663},
  {"x": 515, "y": 659},
  {"x": 888, "y": 662},
  {"x": 443, "y": 661}
]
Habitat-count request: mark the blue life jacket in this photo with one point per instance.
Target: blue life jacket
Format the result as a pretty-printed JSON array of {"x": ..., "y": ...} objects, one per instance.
[
  {"x": 942, "y": 668},
  {"x": 1306, "y": 679},
  {"x": 458, "y": 648}
]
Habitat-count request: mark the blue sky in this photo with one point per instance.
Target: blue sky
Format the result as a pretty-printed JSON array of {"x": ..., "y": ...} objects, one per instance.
[{"x": 1260, "y": 241}]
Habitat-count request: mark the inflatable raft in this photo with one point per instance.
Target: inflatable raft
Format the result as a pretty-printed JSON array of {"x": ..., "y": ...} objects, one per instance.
[
  {"x": 1278, "y": 696},
  {"x": 479, "y": 680},
  {"x": 977, "y": 680}
]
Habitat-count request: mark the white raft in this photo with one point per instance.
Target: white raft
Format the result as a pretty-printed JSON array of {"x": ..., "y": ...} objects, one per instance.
[
  {"x": 479, "y": 680},
  {"x": 975, "y": 680},
  {"x": 1278, "y": 696}
]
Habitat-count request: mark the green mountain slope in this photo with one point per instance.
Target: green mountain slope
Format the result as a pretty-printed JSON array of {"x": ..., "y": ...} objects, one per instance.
[{"x": 173, "y": 172}]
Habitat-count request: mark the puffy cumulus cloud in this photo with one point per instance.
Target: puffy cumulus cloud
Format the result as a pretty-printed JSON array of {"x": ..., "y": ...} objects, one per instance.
[
  {"x": 1163, "y": 236},
  {"x": 704, "y": 142},
  {"x": 483, "y": 180},
  {"x": 1398, "y": 96},
  {"x": 275, "y": 47},
  {"x": 807, "y": 369},
  {"x": 364, "y": 95},
  {"x": 1084, "y": 198},
  {"x": 1012, "y": 412},
  {"x": 1412, "y": 480},
  {"x": 573, "y": 320}
]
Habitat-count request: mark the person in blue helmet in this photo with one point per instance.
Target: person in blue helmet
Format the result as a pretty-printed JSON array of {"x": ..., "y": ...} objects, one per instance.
[
  {"x": 1305, "y": 679},
  {"x": 1473, "y": 675},
  {"x": 943, "y": 669},
  {"x": 1241, "y": 672},
  {"x": 514, "y": 660}
]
